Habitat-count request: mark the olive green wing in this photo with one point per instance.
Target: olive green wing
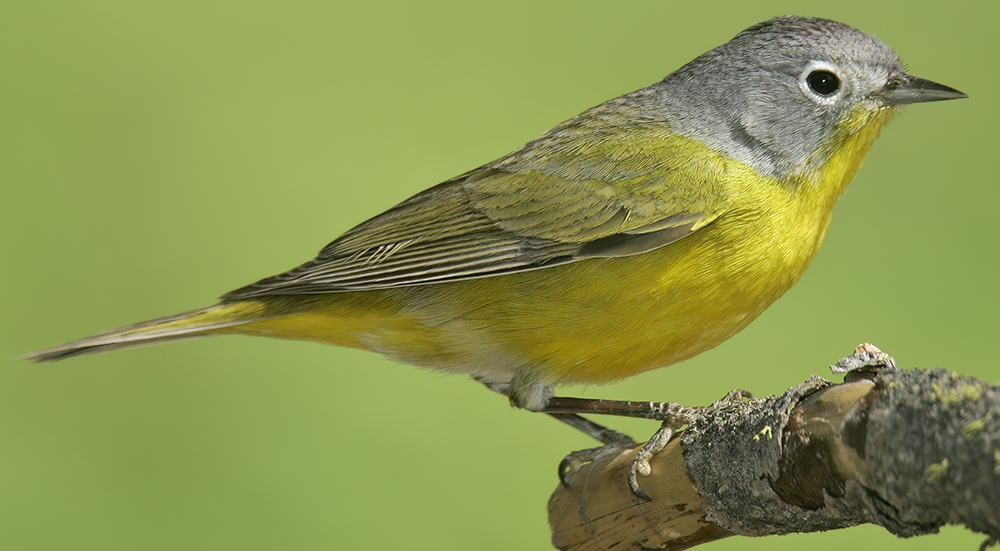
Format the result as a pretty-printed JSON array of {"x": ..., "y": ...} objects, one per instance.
[{"x": 572, "y": 194}]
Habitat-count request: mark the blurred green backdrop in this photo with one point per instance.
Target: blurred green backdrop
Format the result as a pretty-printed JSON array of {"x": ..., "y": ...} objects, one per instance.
[{"x": 156, "y": 155}]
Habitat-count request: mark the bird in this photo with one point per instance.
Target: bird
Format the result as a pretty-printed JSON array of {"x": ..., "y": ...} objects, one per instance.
[{"x": 637, "y": 234}]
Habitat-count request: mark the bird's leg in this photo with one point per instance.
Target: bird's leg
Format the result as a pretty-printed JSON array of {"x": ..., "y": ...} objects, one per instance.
[
  {"x": 572, "y": 462},
  {"x": 611, "y": 440},
  {"x": 600, "y": 433},
  {"x": 672, "y": 415}
]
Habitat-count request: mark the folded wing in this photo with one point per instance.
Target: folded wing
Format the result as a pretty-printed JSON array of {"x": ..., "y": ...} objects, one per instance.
[{"x": 578, "y": 191}]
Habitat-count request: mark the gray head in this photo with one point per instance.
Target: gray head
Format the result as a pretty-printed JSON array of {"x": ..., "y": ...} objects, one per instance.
[{"x": 774, "y": 94}]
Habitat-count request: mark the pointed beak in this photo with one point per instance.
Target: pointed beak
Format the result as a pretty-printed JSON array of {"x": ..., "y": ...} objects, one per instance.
[{"x": 903, "y": 89}]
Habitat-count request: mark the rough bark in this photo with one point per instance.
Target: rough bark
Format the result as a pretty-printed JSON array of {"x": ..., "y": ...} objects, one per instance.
[{"x": 907, "y": 450}]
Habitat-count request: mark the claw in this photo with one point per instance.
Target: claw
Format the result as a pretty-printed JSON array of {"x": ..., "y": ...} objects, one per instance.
[
  {"x": 575, "y": 461},
  {"x": 734, "y": 397},
  {"x": 640, "y": 463},
  {"x": 633, "y": 484},
  {"x": 677, "y": 418}
]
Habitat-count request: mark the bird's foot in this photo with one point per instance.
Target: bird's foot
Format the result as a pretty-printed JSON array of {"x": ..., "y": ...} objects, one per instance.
[
  {"x": 672, "y": 415},
  {"x": 612, "y": 440},
  {"x": 675, "y": 417}
]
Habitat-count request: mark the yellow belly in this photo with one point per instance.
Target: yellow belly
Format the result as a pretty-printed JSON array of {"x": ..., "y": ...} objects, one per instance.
[{"x": 596, "y": 320}]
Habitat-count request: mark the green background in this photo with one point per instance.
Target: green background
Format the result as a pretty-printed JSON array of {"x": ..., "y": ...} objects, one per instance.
[{"x": 156, "y": 155}]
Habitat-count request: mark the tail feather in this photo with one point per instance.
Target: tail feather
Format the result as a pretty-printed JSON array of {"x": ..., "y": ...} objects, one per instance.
[{"x": 187, "y": 325}]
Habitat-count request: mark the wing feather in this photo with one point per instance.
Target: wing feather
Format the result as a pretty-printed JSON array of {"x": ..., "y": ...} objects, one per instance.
[{"x": 576, "y": 192}]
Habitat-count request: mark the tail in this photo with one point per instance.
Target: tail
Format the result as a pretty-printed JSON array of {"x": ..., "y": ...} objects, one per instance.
[{"x": 187, "y": 325}]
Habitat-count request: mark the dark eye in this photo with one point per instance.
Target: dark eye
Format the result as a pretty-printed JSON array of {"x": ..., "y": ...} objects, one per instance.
[{"x": 823, "y": 82}]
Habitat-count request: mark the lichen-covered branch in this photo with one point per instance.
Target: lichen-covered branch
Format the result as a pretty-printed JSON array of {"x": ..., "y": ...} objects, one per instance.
[{"x": 907, "y": 450}]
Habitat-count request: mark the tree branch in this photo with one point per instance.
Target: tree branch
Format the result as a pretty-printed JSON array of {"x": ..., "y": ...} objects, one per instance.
[{"x": 907, "y": 450}]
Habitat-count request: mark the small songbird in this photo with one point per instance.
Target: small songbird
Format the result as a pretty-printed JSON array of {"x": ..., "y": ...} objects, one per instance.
[{"x": 637, "y": 234}]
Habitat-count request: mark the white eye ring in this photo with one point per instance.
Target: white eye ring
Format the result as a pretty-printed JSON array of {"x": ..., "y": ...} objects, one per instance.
[{"x": 811, "y": 93}]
